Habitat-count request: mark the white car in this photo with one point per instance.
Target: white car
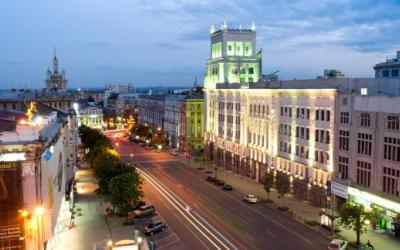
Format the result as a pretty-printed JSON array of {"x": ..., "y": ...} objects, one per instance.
[
  {"x": 337, "y": 244},
  {"x": 250, "y": 198}
]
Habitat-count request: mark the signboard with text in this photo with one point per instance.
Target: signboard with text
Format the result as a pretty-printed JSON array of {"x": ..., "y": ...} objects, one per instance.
[{"x": 339, "y": 189}]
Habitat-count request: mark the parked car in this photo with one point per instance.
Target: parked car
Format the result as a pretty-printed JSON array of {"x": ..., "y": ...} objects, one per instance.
[
  {"x": 219, "y": 182},
  {"x": 138, "y": 205},
  {"x": 249, "y": 198},
  {"x": 227, "y": 187},
  {"x": 210, "y": 179},
  {"x": 144, "y": 211},
  {"x": 154, "y": 227},
  {"x": 337, "y": 244}
]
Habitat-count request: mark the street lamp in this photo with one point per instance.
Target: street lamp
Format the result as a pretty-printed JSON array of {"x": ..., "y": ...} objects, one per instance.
[{"x": 39, "y": 211}]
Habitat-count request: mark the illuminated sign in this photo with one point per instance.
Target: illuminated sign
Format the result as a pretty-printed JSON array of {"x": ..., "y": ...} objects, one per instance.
[
  {"x": 366, "y": 199},
  {"x": 10, "y": 157},
  {"x": 339, "y": 189}
]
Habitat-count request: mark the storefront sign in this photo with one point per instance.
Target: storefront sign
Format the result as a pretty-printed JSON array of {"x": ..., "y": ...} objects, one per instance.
[
  {"x": 339, "y": 189},
  {"x": 11, "y": 157},
  {"x": 366, "y": 199},
  {"x": 8, "y": 165}
]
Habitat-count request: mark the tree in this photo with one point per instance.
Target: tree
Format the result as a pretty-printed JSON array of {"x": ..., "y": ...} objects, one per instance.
[
  {"x": 268, "y": 181},
  {"x": 354, "y": 216},
  {"x": 107, "y": 166},
  {"x": 125, "y": 189},
  {"x": 282, "y": 184},
  {"x": 375, "y": 217}
]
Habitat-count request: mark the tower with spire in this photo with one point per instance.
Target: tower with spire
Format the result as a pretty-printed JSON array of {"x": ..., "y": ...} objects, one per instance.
[{"x": 56, "y": 80}]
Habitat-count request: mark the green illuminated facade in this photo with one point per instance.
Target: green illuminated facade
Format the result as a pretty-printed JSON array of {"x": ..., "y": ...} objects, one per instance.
[
  {"x": 233, "y": 58},
  {"x": 192, "y": 137}
]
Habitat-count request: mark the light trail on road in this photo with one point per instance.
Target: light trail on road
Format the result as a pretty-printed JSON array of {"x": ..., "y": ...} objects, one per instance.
[{"x": 181, "y": 207}]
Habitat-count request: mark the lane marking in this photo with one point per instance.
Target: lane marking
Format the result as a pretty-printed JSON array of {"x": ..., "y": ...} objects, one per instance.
[
  {"x": 169, "y": 196},
  {"x": 270, "y": 233},
  {"x": 256, "y": 211}
]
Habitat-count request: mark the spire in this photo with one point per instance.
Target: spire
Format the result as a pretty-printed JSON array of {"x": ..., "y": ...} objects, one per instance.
[{"x": 55, "y": 62}]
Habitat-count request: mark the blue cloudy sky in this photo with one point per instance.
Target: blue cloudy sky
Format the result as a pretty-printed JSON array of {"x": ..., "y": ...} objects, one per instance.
[{"x": 164, "y": 42}]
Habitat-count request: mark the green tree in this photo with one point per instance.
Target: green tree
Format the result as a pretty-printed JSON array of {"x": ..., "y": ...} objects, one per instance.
[
  {"x": 125, "y": 189},
  {"x": 354, "y": 216},
  {"x": 282, "y": 184},
  {"x": 107, "y": 166},
  {"x": 268, "y": 181},
  {"x": 375, "y": 217}
]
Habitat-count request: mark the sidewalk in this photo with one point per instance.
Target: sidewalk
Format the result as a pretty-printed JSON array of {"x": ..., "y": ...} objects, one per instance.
[
  {"x": 91, "y": 230},
  {"x": 302, "y": 209}
]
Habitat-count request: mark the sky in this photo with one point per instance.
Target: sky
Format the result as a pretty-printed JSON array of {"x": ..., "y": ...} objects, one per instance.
[{"x": 166, "y": 43}]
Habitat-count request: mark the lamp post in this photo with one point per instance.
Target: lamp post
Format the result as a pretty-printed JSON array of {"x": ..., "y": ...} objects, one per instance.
[{"x": 215, "y": 170}]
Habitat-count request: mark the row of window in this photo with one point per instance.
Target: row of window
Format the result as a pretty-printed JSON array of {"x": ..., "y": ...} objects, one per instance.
[
  {"x": 322, "y": 136},
  {"x": 258, "y": 110}
]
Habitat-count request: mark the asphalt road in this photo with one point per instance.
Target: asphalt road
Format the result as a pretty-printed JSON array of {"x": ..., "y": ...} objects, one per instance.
[{"x": 200, "y": 215}]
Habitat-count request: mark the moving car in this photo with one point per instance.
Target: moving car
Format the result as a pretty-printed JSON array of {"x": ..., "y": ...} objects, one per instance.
[
  {"x": 227, "y": 187},
  {"x": 337, "y": 244},
  {"x": 249, "y": 198},
  {"x": 144, "y": 211},
  {"x": 155, "y": 227}
]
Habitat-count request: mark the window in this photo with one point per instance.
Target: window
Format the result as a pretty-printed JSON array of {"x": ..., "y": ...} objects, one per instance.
[
  {"x": 391, "y": 180},
  {"x": 393, "y": 123},
  {"x": 364, "y": 91},
  {"x": 364, "y": 173},
  {"x": 365, "y": 120},
  {"x": 364, "y": 144},
  {"x": 391, "y": 149},
  {"x": 345, "y": 100},
  {"x": 251, "y": 70},
  {"x": 343, "y": 167},
  {"x": 395, "y": 72},
  {"x": 322, "y": 136},
  {"x": 385, "y": 73},
  {"x": 344, "y": 117},
  {"x": 344, "y": 140}
]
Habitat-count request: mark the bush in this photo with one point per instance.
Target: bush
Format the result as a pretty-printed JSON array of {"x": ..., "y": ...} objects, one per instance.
[{"x": 291, "y": 214}]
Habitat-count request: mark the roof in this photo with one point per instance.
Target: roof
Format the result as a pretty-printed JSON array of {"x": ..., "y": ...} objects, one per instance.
[{"x": 9, "y": 120}]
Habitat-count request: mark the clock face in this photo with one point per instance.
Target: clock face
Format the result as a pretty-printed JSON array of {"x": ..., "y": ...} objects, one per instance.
[{"x": 60, "y": 171}]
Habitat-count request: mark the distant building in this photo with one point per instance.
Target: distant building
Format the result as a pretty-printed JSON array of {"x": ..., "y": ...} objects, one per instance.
[
  {"x": 56, "y": 80},
  {"x": 172, "y": 118},
  {"x": 331, "y": 74},
  {"x": 192, "y": 120},
  {"x": 37, "y": 166},
  {"x": 120, "y": 104},
  {"x": 121, "y": 88},
  {"x": 151, "y": 110},
  {"x": 90, "y": 114},
  {"x": 388, "y": 69}
]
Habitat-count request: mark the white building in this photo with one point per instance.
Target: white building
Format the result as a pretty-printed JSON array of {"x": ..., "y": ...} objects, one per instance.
[
  {"x": 121, "y": 88},
  {"x": 172, "y": 118},
  {"x": 286, "y": 126},
  {"x": 37, "y": 160},
  {"x": 90, "y": 114}
]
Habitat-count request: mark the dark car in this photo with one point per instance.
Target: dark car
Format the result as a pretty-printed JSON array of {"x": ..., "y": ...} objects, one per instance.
[
  {"x": 210, "y": 179},
  {"x": 138, "y": 205},
  {"x": 219, "y": 182},
  {"x": 144, "y": 211},
  {"x": 227, "y": 187},
  {"x": 155, "y": 227}
]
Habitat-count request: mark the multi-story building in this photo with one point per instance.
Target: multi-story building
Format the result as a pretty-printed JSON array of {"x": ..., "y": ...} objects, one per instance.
[
  {"x": 56, "y": 80},
  {"x": 37, "y": 164},
  {"x": 121, "y": 88},
  {"x": 121, "y": 104},
  {"x": 368, "y": 153},
  {"x": 151, "y": 109},
  {"x": 286, "y": 126},
  {"x": 172, "y": 119},
  {"x": 192, "y": 120},
  {"x": 90, "y": 114},
  {"x": 388, "y": 69}
]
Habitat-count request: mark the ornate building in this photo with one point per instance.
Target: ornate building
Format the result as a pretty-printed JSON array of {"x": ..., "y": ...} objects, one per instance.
[{"x": 56, "y": 80}]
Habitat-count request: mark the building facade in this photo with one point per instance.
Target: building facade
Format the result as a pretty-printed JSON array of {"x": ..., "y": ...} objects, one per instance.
[
  {"x": 90, "y": 114},
  {"x": 388, "y": 69},
  {"x": 37, "y": 159},
  {"x": 56, "y": 80},
  {"x": 368, "y": 154},
  {"x": 192, "y": 120},
  {"x": 121, "y": 88},
  {"x": 172, "y": 119},
  {"x": 151, "y": 109}
]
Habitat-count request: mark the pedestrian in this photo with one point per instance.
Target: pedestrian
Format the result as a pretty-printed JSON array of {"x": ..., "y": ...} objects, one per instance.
[{"x": 370, "y": 245}]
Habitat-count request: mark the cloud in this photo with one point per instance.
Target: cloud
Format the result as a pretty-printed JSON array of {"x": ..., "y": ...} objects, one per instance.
[
  {"x": 97, "y": 44},
  {"x": 165, "y": 45}
]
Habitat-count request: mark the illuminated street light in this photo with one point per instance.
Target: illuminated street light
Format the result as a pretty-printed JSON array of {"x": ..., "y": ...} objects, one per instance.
[
  {"x": 147, "y": 141},
  {"x": 159, "y": 146},
  {"x": 109, "y": 243},
  {"x": 39, "y": 211},
  {"x": 24, "y": 213},
  {"x": 117, "y": 144},
  {"x": 139, "y": 240},
  {"x": 131, "y": 155}
]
